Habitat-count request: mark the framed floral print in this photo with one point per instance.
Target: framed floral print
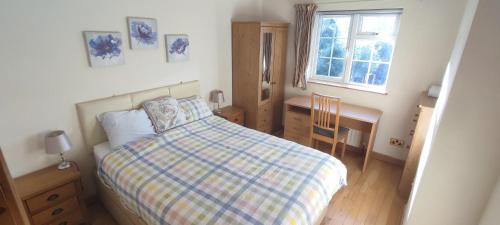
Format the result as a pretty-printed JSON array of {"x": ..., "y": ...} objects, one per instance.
[
  {"x": 143, "y": 33},
  {"x": 177, "y": 47},
  {"x": 104, "y": 48}
]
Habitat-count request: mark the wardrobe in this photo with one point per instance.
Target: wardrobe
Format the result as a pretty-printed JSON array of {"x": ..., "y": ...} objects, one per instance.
[{"x": 259, "y": 60}]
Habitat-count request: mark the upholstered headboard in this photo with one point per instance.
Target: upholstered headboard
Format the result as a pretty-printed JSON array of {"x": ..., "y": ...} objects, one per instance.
[{"x": 92, "y": 131}]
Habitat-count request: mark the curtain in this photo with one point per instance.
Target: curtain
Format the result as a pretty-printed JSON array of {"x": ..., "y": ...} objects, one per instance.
[
  {"x": 267, "y": 48},
  {"x": 303, "y": 32}
]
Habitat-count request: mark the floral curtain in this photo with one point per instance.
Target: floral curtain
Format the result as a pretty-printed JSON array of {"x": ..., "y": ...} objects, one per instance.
[{"x": 303, "y": 32}]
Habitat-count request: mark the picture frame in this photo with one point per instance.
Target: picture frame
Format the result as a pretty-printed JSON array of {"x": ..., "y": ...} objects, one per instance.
[
  {"x": 104, "y": 48},
  {"x": 177, "y": 46},
  {"x": 142, "y": 32}
]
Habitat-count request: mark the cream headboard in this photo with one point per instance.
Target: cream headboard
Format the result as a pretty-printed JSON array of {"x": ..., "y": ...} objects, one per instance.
[{"x": 92, "y": 131}]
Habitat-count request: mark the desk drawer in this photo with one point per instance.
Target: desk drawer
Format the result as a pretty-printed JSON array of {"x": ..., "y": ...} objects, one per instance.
[
  {"x": 51, "y": 198},
  {"x": 74, "y": 218},
  {"x": 297, "y": 118},
  {"x": 56, "y": 212}
]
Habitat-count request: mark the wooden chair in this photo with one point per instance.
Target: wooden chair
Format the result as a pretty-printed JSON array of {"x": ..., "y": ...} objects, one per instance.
[{"x": 321, "y": 127}]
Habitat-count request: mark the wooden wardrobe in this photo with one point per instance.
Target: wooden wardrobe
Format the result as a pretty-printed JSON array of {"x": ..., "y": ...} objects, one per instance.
[
  {"x": 11, "y": 209},
  {"x": 259, "y": 60}
]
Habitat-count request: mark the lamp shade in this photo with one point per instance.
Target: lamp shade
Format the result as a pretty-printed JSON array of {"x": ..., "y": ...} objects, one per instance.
[
  {"x": 57, "y": 142},
  {"x": 217, "y": 96}
]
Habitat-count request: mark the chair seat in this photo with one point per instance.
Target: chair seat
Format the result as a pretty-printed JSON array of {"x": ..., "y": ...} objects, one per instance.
[{"x": 328, "y": 133}]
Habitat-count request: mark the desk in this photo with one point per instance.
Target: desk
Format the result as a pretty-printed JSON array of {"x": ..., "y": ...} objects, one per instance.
[{"x": 298, "y": 115}]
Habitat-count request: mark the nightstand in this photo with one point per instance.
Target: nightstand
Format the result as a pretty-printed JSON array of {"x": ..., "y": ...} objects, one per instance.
[
  {"x": 52, "y": 197},
  {"x": 233, "y": 114}
]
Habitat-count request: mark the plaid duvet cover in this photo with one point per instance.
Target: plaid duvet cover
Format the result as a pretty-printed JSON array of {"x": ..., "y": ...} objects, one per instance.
[{"x": 212, "y": 171}]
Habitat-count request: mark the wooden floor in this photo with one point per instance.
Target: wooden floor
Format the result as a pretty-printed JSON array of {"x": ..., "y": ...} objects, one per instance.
[{"x": 369, "y": 198}]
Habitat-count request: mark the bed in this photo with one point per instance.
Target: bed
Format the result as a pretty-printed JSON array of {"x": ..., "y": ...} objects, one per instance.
[{"x": 209, "y": 171}]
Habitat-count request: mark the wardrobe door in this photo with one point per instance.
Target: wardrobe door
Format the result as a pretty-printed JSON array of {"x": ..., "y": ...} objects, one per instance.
[
  {"x": 265, "y": 115},
  {"x": 278, "y": 78},
  {"x": 5, "y": 214},
  {"x": 11, "y": 209}
]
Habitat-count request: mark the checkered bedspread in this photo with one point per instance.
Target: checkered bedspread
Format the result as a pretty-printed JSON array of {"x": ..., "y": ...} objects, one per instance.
[{"x": 215, "y": 172}]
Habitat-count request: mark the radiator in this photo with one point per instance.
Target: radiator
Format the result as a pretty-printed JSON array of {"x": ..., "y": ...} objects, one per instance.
[{"x": 355, "y": 138}]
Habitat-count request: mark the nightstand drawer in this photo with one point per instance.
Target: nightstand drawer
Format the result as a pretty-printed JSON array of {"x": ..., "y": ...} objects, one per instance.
[
  {"x": 238, "y": 118},
  {"x": 51, "y": 198},
  {"x": 56, "y": 212},
  {"x": 75, "y": 218}
]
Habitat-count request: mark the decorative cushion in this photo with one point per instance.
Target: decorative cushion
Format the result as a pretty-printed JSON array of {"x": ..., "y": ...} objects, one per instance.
[
  {"x": 164, "y": 113},
  {"x": 125, "y": 126},
  {"x": 195, "y": 108}
]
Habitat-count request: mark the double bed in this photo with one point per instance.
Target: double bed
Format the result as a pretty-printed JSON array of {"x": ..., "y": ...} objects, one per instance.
[{"x": 209, "y": 171}]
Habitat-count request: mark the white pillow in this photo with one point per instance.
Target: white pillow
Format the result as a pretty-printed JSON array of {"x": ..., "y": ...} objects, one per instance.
[{"x": 126, "y": 126}]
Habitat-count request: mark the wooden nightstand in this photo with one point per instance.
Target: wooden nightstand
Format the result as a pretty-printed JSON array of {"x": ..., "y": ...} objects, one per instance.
[
  {"x": 52, "y": 197},
  {"x": 233, "y": 114}
]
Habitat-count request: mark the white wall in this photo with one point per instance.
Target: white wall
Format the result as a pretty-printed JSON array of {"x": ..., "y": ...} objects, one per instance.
[
  {"x": 462, "y": 168},
  {"x": 491, "y": 215},
  {"x": 426, "y": 38},
  {"x": 44, "y": 70}
]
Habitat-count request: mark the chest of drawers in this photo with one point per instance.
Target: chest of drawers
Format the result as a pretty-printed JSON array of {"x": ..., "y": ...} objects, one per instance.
[{"x": 52, "y": 197}]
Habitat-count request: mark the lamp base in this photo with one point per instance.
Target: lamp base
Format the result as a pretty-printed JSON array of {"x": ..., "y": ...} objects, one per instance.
[{"x": 64, "y": 165}]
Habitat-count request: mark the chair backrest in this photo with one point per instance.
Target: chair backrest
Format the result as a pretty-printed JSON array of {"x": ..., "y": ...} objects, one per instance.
[{"x": 322, "y": 113}]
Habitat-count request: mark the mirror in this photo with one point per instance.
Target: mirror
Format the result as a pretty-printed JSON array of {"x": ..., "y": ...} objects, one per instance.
[{"x": 267, "y": 45}]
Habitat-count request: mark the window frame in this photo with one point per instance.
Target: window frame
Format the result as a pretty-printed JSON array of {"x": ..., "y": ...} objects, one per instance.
[{"x": 355, "y": 33}]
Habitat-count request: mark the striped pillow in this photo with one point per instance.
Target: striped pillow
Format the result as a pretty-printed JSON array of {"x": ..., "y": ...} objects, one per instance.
[{"x": 195, "y": 108}]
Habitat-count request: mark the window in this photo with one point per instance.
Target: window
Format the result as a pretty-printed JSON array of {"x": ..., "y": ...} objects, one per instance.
[{"x": 354, "y": 48}]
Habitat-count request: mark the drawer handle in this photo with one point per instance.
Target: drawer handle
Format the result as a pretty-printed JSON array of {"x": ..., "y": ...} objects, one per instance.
[
  {"x": 57, "y": 211},
  {"x": 53, "y": 197},
  {"x": 2, "y": 210},
  {"x": 63, "y": 223}
]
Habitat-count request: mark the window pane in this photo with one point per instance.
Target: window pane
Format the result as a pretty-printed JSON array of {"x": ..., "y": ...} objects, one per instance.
[
  {"x": 322, "y": 67},
  {"x": 337, "y": 68},
  {"x": 382, "y": 24},
  {"x": 339, "y": 48},
  {"x": 337, "y": 26},
  {"x": 325, "y": 47},
  {"x": 383, "y": 51},
  {"x": 378, "y": 74},
  {"x": 359, "y": 71},
  {"x": 362, "y": 50}
]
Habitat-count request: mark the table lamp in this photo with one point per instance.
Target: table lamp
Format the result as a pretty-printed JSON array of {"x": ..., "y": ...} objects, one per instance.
[
  {"x": 57, "y": 142},
  {"x": 217, "y": 96}
]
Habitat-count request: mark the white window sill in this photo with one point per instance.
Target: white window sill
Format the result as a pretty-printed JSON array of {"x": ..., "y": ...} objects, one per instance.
[{"x": 348, "y": 86}]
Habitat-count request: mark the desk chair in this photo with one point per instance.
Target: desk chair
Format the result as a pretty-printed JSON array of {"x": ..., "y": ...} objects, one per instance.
[{"x": 321, "y": 128}]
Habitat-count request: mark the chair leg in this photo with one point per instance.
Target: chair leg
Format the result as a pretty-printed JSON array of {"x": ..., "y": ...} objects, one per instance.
[
  {"x": 334, "y": 145},
  {"x": 343, "y": 150}
]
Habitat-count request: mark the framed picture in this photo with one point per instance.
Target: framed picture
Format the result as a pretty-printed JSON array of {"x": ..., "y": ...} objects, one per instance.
[
  {"x": 104, "y": 48},
  {"x": 143, "y": 33},
  {"x": 177, "y": 47}
]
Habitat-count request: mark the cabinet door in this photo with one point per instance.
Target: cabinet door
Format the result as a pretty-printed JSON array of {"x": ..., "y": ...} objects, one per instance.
[
  {"x": 278, "y": 78},
  {"x": 11, "y": 208},
  {"x": 5, "y": 214}
]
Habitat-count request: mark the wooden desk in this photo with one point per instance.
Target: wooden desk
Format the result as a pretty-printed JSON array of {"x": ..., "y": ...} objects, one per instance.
[{"x": 298, "y": 114}]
